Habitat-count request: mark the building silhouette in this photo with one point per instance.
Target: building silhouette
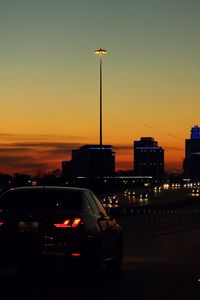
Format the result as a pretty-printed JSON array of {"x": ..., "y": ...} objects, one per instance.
[
  {"x": 148, "y": 158},
  {"x": 90, "y": 161},
  {"x": 191, "y": 164}
]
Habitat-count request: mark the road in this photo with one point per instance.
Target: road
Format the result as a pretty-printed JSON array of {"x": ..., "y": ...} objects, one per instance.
[
  {"x": 157, "y": 265},
  {"x": 165, "y": 196},
  {"x": 169, "y": 196},
  {"x": 165, "y": 266}
]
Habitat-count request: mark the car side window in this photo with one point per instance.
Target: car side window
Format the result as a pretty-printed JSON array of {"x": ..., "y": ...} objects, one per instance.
[
  {"x": 100, "y": 205},
  {"x": 88, "y": 205},
  {"x": 92, "y": 203}
]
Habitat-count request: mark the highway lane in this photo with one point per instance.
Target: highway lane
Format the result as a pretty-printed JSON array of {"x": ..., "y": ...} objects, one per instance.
[
  {"x": 158, "y": 197},
  {"x": 156, "y": 266},
  {"x": 154, "y": 197}
]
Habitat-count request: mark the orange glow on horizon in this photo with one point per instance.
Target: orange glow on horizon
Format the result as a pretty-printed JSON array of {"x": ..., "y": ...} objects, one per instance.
[
  {"x": 44, "y": 156},
  {"x": 39, "y": 154}
]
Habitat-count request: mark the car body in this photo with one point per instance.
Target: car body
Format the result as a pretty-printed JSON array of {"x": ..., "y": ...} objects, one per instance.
[{"x": 58, "y": 224}]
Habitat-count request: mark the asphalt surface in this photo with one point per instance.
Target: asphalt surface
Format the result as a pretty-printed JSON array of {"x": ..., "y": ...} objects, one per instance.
[
  {"x": 156, "y": 265},
  {"x": 165, "y": 266},
  {"x": 155, "y": 197}
]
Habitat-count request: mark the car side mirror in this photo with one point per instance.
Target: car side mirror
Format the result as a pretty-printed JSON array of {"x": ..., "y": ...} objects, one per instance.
[
  {"x": 112, "y": 212},
  {"x": 101, "y": 216}
]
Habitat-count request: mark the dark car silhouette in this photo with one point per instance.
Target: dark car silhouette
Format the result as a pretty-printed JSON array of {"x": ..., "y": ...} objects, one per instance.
[{"x": 70, "y": 225}]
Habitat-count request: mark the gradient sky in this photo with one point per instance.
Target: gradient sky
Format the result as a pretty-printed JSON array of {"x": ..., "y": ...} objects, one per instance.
[{"x": 49, "y": 78}]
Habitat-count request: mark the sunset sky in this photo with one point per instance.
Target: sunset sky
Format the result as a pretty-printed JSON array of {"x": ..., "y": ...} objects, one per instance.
[{"x": 49, "y": 78}]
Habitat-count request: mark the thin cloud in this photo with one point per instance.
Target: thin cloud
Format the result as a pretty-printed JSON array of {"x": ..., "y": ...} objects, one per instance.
[
  {"x": 13, "y": 150},
  {"x": 8, "y": 159},
  {"x": 46, "y": 148},
  {"x": 45, "y": 144},
  {"x": 30, "y": 156},
  {"x": 40, "y": 137},
  {"x": 25, "y": 163}
]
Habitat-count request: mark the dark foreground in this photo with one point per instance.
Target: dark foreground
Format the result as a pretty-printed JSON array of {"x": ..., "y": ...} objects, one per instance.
[
  {"x": 161, "y": 261},
  {"x": 156, "y": 266}
]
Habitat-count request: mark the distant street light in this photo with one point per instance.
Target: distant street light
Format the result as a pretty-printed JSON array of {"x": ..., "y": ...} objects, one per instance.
[{"x": 101, "y": 52}]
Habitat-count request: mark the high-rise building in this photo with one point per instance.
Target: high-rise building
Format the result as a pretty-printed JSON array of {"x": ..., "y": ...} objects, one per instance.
[
  {"x": 91, "y": 161},
  {"x": 191, "y": 163},
  {"x": 148, "y": 158}
]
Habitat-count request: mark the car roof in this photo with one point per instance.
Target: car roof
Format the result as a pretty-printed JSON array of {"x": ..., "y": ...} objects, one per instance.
[{"x": 43, "y": 188}]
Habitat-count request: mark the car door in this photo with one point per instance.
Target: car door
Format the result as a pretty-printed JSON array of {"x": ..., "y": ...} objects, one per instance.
[
  {"x": 102, "y": 224},
  {"x": 108, "y": 229}
]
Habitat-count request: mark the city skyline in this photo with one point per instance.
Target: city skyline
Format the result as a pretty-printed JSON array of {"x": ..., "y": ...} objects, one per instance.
[
  {"x": 49, "y": 79},
  {"x": 53, "y": 152}
]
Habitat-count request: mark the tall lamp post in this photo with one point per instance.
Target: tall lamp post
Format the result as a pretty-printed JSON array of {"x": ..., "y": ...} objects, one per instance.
[{"x": 100, "y": 52}]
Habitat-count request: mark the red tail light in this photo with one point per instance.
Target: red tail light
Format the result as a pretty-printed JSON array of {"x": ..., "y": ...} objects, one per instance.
[
  {"x": 75, "y": 222},
  {"x": 76, "y": 254},
  {"x": 1, "y": 223},
  {"x": 66, "y": 223}
]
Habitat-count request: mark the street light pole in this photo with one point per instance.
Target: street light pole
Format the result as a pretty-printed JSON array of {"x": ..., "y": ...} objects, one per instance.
[
  {"x": 100, "y": 117},
  {"x": 100, "y": 52}
]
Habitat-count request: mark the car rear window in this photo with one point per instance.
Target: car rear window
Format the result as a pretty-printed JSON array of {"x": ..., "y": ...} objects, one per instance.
[{"x": 42, "y": 199}]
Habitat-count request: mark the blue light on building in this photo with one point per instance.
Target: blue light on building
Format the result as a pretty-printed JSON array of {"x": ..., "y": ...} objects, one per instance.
[
  {"x": 99, "y": 148},
  {"x": 191, "y": 164},
  {"x": 195, "y": 132},
  {"x": 91, "y": 161},
  {"x": 147, "y": 148},
  {"x": 148, "y": 158}
]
